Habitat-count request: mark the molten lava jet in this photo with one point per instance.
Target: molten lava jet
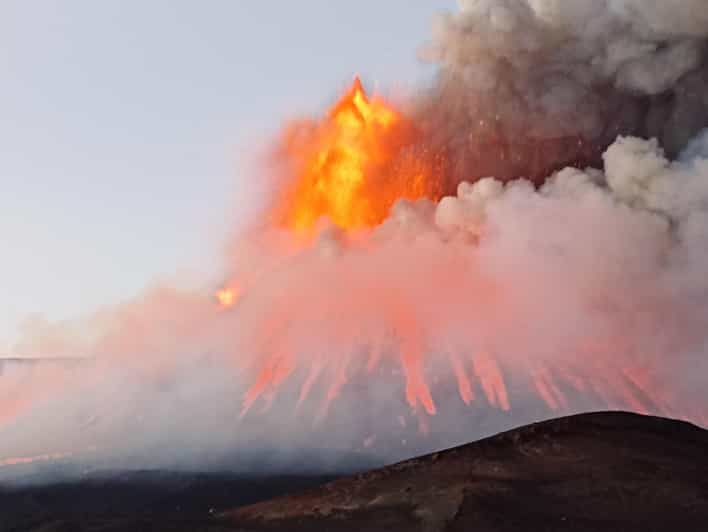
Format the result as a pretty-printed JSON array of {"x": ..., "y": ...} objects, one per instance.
[{"x": 353, "y": 166}]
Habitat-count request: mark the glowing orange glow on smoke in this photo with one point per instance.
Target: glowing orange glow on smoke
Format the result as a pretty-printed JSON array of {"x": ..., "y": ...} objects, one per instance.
[
  {"x": 365, "y": 323},
  {"x": 353, "y": 165}
]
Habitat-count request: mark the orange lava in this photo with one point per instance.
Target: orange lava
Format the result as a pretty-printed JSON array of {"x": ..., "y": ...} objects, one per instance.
[
  {"x": 351, "y": 166},
  {"x": 227, "y": 297}
]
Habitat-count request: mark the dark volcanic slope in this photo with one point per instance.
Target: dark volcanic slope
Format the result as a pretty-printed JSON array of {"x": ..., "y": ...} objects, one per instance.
[
  {"x": 138, "y": 501},
  {"x": 592, "y": 472}
]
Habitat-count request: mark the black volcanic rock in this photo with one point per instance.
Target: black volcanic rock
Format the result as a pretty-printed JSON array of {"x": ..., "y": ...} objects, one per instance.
[
  {"x": 592, "y": 472},
  {"x": 138, "y": 500}
]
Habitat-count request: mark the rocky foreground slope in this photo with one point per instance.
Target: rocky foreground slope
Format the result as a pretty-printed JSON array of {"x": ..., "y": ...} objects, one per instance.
[{"x": 592, "y": 472}]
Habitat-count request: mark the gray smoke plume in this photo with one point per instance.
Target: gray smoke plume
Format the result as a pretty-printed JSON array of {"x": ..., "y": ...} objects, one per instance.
[{"x": 528, "y": 86}]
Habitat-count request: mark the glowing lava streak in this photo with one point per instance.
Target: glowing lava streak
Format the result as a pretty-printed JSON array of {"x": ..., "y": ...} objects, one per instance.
[
  {"x": 22, "y": 460},
  {"x": 353, "y": 165}
]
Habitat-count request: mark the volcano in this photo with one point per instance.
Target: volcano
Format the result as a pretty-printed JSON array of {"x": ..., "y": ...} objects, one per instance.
[{"x": 416, "y": 272}]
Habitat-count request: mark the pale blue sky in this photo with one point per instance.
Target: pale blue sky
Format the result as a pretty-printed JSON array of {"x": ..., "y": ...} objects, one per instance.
[{"x": 124, "y": 123}]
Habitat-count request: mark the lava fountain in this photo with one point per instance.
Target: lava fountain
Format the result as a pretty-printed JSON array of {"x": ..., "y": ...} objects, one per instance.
[
  {"x": 383, "y": 268},
  {"x": 353, "y": 165}
]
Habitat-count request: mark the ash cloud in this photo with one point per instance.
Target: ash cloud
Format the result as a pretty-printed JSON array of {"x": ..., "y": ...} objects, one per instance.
[
  {"x": 528, "y": 86},
  {"x": 592, "y": 269}
]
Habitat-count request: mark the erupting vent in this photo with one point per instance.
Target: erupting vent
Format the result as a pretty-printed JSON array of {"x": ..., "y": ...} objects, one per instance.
[{"x": 352, "y": 166}]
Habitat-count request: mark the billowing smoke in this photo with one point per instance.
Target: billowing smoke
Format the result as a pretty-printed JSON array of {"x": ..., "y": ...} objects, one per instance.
[
  {"x": 565, "y": 271},
  {"x": 527, "y": 87}
]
